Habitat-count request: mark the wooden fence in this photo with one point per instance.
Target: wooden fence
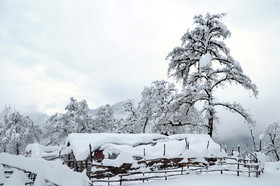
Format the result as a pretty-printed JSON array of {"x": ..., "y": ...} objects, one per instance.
[
  {"x": 9, "y": 170},
  {"x": 155, "y": 169}
]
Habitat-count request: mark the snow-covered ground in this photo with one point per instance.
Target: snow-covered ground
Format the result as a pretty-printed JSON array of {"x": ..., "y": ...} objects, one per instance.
[
  {"x": 63, "y": 176},
  {"x": 271, "y": 177},
  {"x": 53, "y": 171}
]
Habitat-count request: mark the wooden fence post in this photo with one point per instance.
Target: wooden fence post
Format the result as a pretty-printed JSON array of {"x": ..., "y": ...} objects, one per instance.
[
  {"x": 238, "y": 168},
  {"x": 120, "y": 180},
  {"x": 90, "y": 152},
  {"x": 238, "y": 150},
  {"x": 207, "y": 144},
  {"x": 182, "y": 170},
  {"x": 144, "y": 152},
  {"x": 17, "y": 149},
  {"x": 186, "y": 140},
  {"x": 164, "y": 149}
]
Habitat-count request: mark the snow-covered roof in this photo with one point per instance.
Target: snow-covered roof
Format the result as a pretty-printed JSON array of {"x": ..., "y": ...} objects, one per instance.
[{"x": 134, "y": 144}]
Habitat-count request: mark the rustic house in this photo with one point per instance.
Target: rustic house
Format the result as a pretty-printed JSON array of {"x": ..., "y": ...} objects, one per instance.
[
  {"x": 140, "y": 157},
  {"x": 84, "y": 151}
]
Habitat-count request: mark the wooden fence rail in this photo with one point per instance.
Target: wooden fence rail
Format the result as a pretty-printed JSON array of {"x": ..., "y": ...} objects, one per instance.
[
  {"x": 241, "y": 166},
  {"x": 32, "y": 176}
]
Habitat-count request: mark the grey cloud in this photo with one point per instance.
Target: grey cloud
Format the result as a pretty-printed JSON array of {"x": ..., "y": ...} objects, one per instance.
[{"x": 108, "y": 51}]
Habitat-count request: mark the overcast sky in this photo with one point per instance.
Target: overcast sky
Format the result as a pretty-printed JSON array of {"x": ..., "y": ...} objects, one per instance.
[{"x": 107, "y": 51}]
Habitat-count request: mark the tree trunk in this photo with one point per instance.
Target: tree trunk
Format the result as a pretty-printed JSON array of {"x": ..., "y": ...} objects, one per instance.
[
  {"x": 17, "y": 150},
  {"x": 272, "y": 138},
  {"x": 253, "y": 138},
  {"x": 210, "y": 123},
  {"x": 145, "y": 125},
  {"x": 211, "y": 112},
  {"x": 277, "y": 155}
]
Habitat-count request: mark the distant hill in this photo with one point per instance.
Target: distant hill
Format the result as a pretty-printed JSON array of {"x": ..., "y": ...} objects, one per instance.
[
  {"x": 39, "y": 118},
  {"x": 117, "y": 108},
  {"x": 245, "y": 142}
]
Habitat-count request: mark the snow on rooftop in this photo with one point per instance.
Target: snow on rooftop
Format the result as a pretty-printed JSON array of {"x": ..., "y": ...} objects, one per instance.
[
  {"x": 80, "y": 142},
  {"x": 134, "y": 144}
]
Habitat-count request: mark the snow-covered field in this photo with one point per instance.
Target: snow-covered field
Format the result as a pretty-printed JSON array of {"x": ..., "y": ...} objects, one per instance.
[
  {"x": 200, "y": 146},
  {"x": 271, "y": 177}
]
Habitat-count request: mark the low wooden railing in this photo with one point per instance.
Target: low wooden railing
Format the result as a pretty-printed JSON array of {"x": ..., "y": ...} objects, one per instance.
[
  {"x": 154, "y": 171},
  {"x": 32, "y": 176}
]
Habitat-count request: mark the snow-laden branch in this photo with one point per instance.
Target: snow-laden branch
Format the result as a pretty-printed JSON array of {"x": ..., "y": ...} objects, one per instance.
[{"x": 237, "y": 108}]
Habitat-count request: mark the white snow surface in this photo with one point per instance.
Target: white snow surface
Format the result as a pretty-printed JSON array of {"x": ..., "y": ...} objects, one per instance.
[
  {"x": 205, "y": 60},
  {"x": 53, "y": 171},
  {"x": 36, "y": 150},
  {"x": 136, "y": 144},
  {"x": 2, "y": 175},
  {"x": 18, "y": 178},
  {"x": 271, "y": 177},
  {"x": 80, "y": 142}
]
